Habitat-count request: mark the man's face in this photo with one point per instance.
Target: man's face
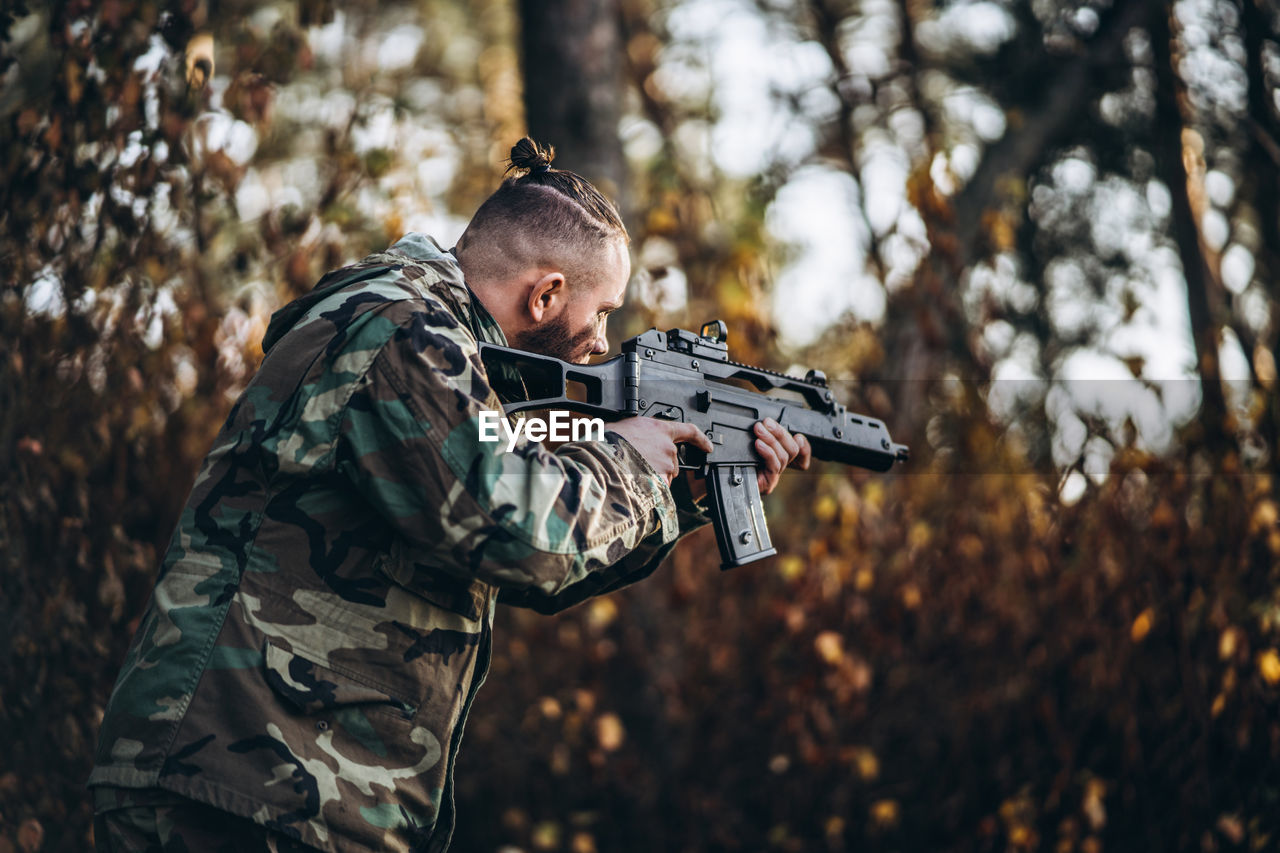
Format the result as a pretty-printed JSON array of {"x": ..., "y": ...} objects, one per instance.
[{"x": 577, "y": 331}]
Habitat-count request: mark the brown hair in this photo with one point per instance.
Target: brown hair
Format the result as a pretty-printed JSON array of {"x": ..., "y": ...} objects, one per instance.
[{"x": 540, "y": 216}]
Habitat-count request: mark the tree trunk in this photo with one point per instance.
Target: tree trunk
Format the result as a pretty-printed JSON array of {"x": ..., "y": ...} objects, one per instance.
[
  {"x": 1201, "y": 286},
  {"x": 572, "y": 61}
]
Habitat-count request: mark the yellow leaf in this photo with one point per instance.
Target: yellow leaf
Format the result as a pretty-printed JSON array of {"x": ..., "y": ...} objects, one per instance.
[
  {"x": 75, "y": 81},
  {"x": 602, "y": 613},
  {"x": 609, "y": 732},
  {"x": 1094, "y": 792},
  {"x": 824, "y": 509},
  {"x": 1264, "y": 365},
  {"x": 830, "y": 647},
  {"x": 868, "y": 765},
  {"x": 864, "y": 580},
  {"x": 1000, "y": 230},
  {"x": 1231, "y": 826},
  {"x": 790, "y": 567},
  {"x": 884, "y": 813},
  {"x": 546, "y": 835},
  {"x": 1269, "y": 666},
  {"x": 1141, "y": 626},
  {"x": 1264, "y": 516},
  {"x": 662, "y": 221},
  {"x": 1228, "y": 643}
]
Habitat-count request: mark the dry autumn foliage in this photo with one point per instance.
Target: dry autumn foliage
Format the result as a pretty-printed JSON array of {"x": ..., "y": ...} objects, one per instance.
[{"x": 945, "y": 658}]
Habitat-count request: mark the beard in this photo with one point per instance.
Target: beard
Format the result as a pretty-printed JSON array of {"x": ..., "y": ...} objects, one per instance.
[{"x": 556, "y": 339}]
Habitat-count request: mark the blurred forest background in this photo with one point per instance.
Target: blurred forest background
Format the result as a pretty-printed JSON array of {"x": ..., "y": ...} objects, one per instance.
[{"x": 1039, "y": 238}]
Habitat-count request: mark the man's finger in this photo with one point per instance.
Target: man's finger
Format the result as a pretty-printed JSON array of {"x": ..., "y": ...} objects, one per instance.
[
  {"x": 670, "y": 465},
  {"x": 772, "y": 461},
  {"x": 785, "y": 438},
  {"x": 778, "y": 452},
  {"x": 806, "y": 453},
  {"x": 767, "y": 479},
  {"x": 685, "y": 432}
]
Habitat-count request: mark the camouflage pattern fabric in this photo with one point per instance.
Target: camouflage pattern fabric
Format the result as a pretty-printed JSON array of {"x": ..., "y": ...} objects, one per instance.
[
  {"x": 130, "y": 821},
  {"x": 322, "y": 617}
]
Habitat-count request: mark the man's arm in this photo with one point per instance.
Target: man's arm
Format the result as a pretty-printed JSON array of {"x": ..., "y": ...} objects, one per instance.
[
  {"x": 528, "y": 519},
  {"x": 777, "y": 448},
  {"x": 635, "y": 566}
]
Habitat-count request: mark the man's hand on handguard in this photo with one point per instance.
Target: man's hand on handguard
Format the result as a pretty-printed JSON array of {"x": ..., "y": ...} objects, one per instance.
[{"x": 657, "y": 440}]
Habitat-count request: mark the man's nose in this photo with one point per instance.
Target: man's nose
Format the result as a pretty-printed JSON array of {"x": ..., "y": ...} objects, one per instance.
[{"x": 601, "y": 346}]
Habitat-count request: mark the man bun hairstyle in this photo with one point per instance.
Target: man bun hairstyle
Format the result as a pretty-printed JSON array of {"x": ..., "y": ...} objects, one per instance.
[
  {"x": 529, "y": 155},
  {"x": 534, "y": 160},
  {"x": 539, "y": 216}
]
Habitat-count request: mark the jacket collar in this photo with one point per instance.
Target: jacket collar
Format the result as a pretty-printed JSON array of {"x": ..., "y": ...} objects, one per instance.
[{"x": 449, "y": 285}]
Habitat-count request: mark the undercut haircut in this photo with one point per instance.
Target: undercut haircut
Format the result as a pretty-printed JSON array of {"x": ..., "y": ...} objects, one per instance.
[{"x": 541, "y": 218}]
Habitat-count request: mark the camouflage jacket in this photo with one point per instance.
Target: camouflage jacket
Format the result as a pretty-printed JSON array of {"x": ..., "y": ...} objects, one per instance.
[{"x": 322, "y": 617}]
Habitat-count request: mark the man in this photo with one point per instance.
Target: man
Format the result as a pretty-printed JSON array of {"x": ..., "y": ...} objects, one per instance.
[{"x": 322, "y": 617}]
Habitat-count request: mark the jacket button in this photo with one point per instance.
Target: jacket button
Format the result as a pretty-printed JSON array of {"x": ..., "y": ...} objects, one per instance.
[{"x": 322, "y": 725}]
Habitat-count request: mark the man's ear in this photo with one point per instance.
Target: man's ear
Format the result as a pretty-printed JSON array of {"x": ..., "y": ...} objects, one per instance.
[{"x": 545, "y": 295}]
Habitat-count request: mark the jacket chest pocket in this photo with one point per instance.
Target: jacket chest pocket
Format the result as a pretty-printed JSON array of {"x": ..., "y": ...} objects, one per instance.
[{"x": 312, "y": 688}]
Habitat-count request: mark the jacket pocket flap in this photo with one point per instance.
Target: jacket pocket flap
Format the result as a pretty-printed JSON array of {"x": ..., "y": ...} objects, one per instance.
[
  {"x": 464, "y": 597},
  {"x": 311, "y": 687}
]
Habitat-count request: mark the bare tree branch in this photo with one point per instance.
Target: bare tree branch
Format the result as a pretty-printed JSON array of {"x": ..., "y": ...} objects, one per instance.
[{"x": 1032, "y": 133}]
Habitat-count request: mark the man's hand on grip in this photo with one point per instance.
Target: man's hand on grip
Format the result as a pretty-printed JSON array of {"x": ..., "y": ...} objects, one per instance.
[
  {"x": 657, "y": 441},
  {"x": 778, "y": 449}
]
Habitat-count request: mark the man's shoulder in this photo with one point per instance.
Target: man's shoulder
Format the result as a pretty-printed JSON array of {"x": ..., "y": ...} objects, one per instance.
[
  {"x": 422, "y": 278},
  {"x": 404, "y": 286}
]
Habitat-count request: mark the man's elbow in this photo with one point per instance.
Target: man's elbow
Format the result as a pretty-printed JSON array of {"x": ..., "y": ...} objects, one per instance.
[{"x": 537, "y": 573}]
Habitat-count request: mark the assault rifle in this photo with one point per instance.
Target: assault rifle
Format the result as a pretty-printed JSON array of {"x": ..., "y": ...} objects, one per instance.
[{"x": 677, "y": 375}]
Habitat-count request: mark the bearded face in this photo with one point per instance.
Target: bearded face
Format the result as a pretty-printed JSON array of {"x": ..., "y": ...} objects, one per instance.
[{"x": 557, "y": 339}]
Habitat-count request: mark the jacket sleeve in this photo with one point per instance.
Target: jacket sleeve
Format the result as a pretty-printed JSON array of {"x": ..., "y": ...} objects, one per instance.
[
  {"x": 637, "y": 565},
  {"x": 528, "y": 520}
]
